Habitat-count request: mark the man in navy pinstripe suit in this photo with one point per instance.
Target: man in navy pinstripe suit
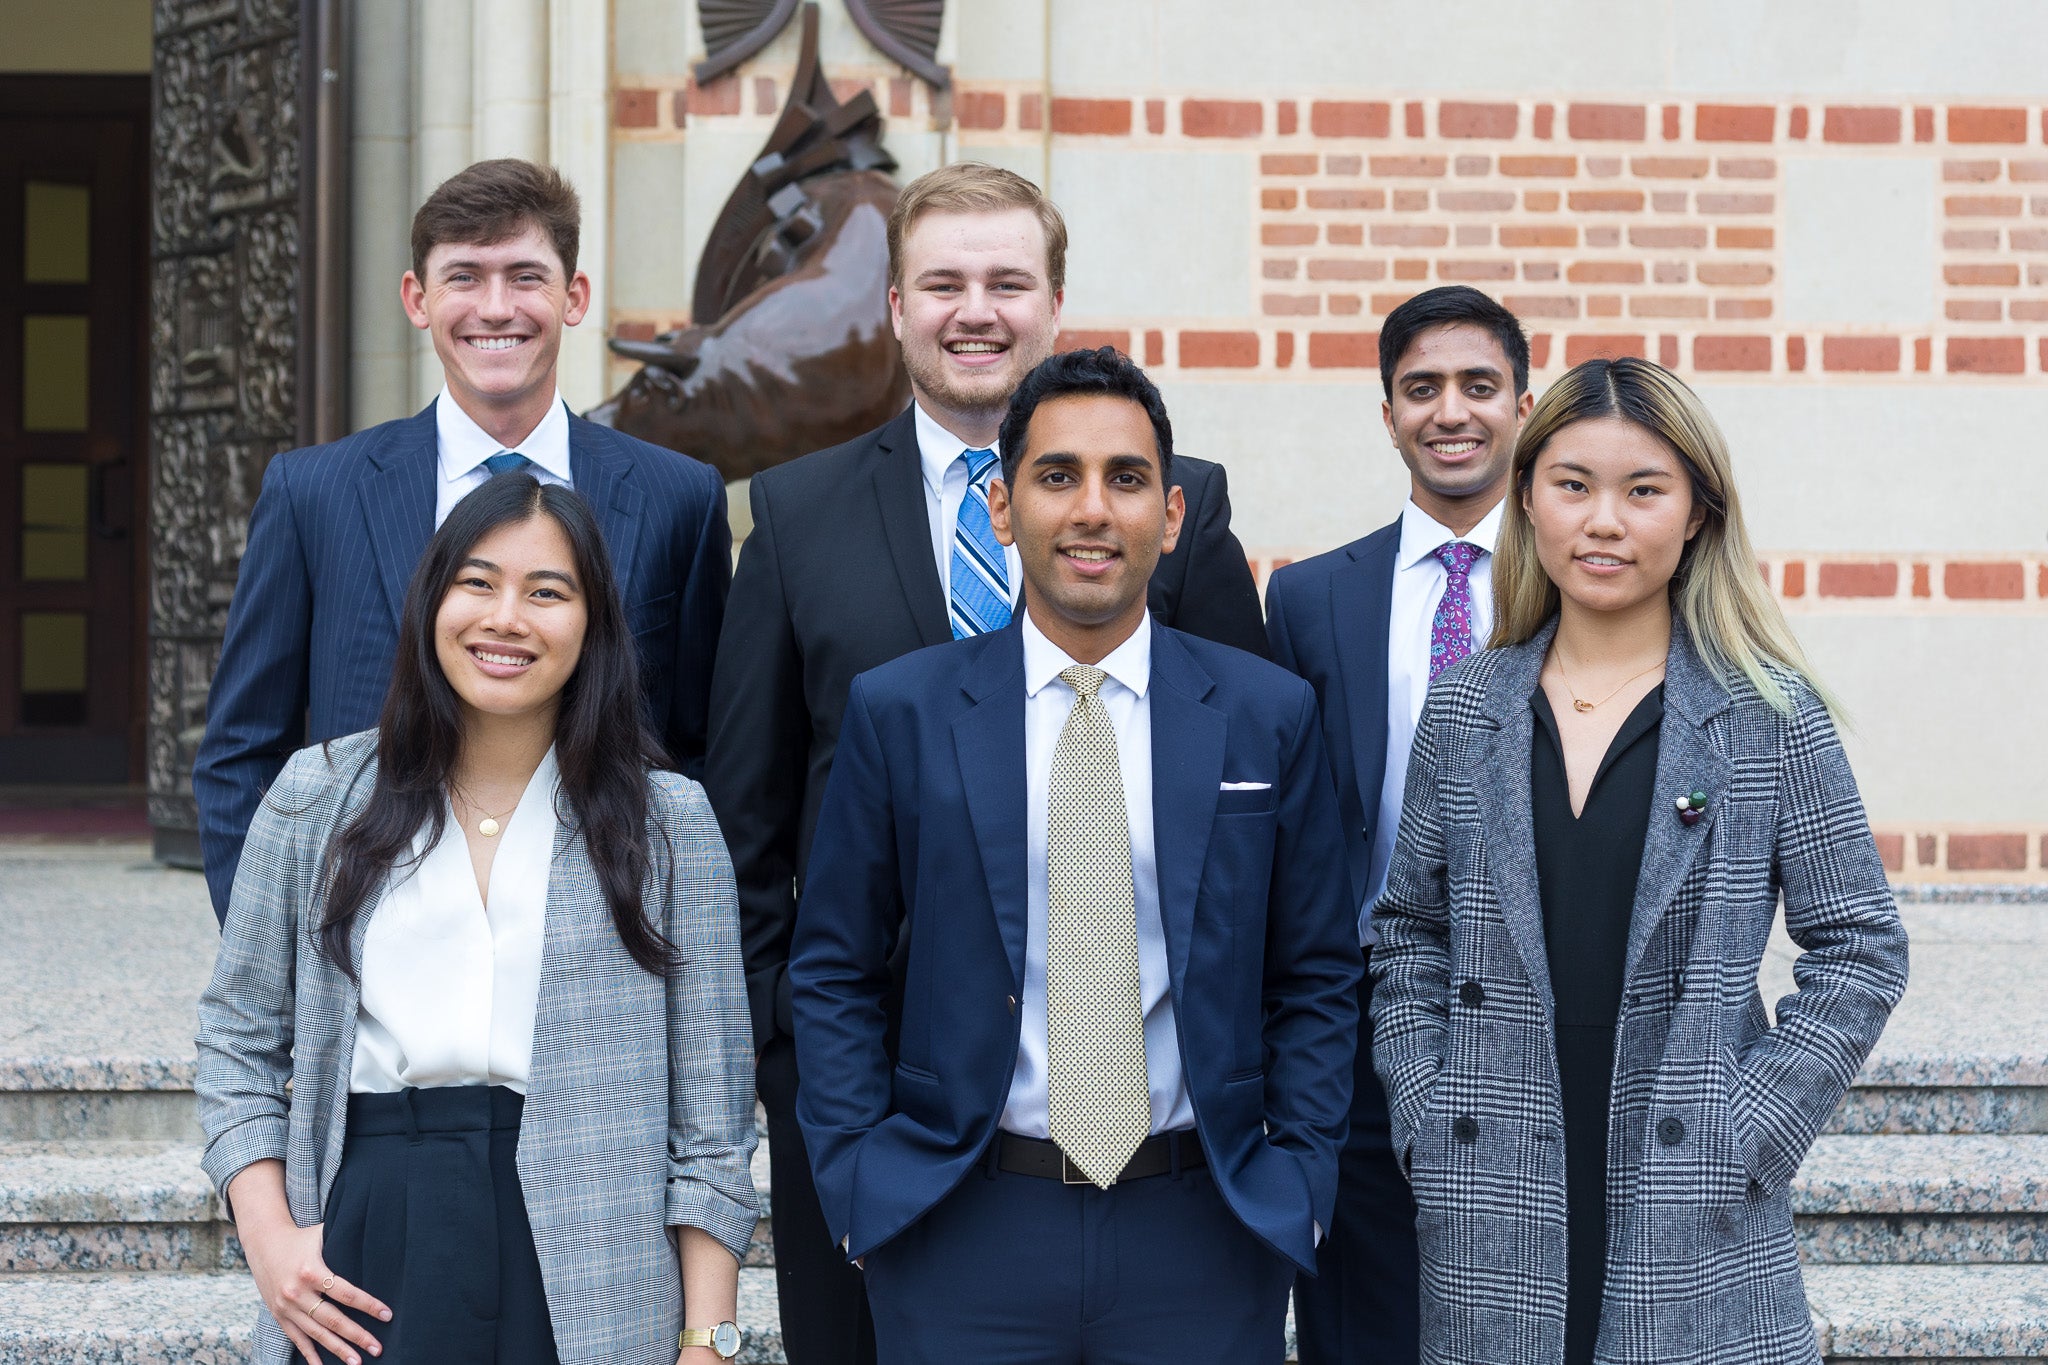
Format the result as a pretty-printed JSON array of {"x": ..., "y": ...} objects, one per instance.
[{"x": 337, "y": 529}]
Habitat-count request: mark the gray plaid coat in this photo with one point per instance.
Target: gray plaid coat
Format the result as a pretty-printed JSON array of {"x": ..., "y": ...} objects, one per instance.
[
  {"x": 1713, "y": 1106},
  {"x": 640, "y": 1109}
]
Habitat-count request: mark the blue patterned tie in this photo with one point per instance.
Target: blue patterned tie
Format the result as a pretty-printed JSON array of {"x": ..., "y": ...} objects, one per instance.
[
  {"x": 981, "y": 575},
  {"x": 506, "y": 462}
]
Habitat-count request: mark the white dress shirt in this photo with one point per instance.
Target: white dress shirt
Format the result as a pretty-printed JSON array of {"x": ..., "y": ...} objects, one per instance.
[
  {"x": 1047, "y": 701},
  {"x": 1419, "y": 582},
  {"x": 945, "y": 487},
  {"x": 450, "y": 987},
  {"x": 465, "y": 446}
]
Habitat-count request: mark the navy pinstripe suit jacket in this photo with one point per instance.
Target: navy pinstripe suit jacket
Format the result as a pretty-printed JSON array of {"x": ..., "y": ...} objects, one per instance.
[{"x": 333, "y": 541}]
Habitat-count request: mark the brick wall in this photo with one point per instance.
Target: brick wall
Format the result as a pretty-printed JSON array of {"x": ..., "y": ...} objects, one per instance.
[{"x": 1652, "y": 229}]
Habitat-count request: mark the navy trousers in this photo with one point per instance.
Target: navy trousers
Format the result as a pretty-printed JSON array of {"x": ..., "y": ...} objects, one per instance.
[
  {"x": 426, "y": 1213},
  {"x": 1020, "y": 1270},
  {"x": 1363, "y": 1306}
]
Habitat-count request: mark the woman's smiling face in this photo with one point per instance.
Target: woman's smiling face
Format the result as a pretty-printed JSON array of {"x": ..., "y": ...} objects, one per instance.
[
  {"x": 509, "y": 632},
  {"x": 1611, "y": 507}
]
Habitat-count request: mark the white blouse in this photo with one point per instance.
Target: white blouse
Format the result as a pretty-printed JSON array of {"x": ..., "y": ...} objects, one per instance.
[{"x": 450, "y": 986}]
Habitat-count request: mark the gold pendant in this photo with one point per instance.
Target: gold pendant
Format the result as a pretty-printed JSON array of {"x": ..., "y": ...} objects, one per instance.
[
  {"x": 487, "y": 827},
  {"x": 1577, "y": 705}
]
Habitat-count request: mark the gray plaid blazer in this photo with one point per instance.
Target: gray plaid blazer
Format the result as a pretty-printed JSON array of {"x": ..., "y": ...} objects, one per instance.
[
  {"x": 640, "y": 1109},
  {"x": 1713, "y": 1105}
]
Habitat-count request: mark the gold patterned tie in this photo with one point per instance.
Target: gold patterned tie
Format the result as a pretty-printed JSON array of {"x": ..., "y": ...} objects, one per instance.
[{"x": 1098, "y": 1098}]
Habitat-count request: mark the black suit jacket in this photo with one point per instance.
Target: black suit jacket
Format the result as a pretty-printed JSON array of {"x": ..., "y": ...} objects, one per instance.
[
  {"x": 333, "y": 541},
  {"x": 836, "y": 578}
]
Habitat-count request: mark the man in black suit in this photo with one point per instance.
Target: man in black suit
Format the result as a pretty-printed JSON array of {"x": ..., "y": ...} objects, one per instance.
[
  {"x": 338, "y": 529},
  {"x": 1370, "y": 625},
  {"x": 865, "y": 552}
]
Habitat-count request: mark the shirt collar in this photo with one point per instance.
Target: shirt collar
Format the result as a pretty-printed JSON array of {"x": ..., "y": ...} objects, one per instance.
[
  {"x": 937, "y": 447},
  {"x": 1421, "y": 533},
  {"x": 464, "y": 445},
  {"x": 1130, "y": 663}
]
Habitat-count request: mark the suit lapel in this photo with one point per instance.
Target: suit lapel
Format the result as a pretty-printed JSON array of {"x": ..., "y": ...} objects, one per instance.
[
  {"x": 907, "y": 527},
  {"x": 1361, "y": 601},
  {"x": 602, "y": 471},
  {"x": 989, "y": 743},
  {"x": 1188, "y": 738},
  {"x": 397, "y": 497},
  {"x": 1500, "y": 781},
  {"x": 1686, "y": 763}
]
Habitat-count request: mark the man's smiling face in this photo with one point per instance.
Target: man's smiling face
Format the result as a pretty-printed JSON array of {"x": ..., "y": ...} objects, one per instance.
[
  {"x": 974, "y": 310},
  {"x": 496, "y": 314},
  {"x": 1454, "y": 415}
]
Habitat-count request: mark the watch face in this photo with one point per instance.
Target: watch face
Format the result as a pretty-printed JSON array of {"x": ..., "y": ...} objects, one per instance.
[{"x": 725, "y": 1339}]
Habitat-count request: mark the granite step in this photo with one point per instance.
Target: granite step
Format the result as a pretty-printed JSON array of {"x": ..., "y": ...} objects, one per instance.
[
  {"x": 61, "y": 1099},
  {"x": 1901, "y": 1314},
  {"x": 1954, "y": 1200},
  {"x": 209, "y": 1319},
  {"x": 83, "y": 1207}
]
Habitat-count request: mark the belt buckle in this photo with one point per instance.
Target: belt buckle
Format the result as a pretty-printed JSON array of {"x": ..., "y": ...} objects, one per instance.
[{"x": 1066, "y": 1166}]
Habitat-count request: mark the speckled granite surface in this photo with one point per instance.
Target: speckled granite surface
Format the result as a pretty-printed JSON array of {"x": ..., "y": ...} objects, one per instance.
[
  {"x": 1966, "y": 1174},
  {"x": 102, "y": 958},
  {"x": 127, "y": 1319},
  {"x": 1894, "y": 1312}
]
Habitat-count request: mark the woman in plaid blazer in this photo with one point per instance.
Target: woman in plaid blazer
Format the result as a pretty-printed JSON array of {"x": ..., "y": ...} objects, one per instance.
[
  {"x": 1623, "y": 1202},
  {"x": 474, "y": 1099}
]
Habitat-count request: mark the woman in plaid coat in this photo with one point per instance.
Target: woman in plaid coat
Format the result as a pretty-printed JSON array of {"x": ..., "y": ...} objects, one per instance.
[{"x": 1598, "y": 1115}]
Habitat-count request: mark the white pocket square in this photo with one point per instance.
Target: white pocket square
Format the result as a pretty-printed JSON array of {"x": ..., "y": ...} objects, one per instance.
[{"x": 1246, "y": 787}]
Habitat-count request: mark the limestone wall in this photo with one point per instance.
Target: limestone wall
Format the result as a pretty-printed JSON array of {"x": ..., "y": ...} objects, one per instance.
[{"x": 1831, "y": 217}]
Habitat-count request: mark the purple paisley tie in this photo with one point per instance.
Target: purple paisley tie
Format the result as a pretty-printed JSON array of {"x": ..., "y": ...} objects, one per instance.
[{"x": 1450, "y": 633}]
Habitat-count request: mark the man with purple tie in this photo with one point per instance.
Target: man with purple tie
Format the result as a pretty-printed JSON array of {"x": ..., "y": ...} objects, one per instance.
[{"x": 1370, "y": 625}]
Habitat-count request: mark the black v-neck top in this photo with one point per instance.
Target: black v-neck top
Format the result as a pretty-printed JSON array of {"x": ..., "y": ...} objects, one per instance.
[{"x": 1586, "y": 871}]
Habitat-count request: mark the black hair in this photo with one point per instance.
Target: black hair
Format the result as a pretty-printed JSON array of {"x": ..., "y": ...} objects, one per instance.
[
  {"x": 1452, "y": 303},
  {"x": 1104, "y": 370},
  {"x": 603, "y": 748}
]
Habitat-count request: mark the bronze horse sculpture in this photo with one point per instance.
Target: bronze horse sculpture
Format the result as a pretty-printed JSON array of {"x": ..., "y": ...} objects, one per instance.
[{"x": 800, "y": 354}]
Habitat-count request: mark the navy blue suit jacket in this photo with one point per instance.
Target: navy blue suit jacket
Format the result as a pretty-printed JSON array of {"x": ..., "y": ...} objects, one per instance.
[
  {"x": 1326, "y": 619},
  {"x": 333, "y": 541},
  {"x": 923, "y": 831}
]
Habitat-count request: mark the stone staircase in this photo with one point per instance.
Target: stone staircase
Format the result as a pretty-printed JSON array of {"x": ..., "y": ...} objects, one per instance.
[{"x": 1923, "y": 1216}]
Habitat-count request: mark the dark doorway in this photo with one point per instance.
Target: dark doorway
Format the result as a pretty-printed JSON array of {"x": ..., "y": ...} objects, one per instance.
[{"x": 74, "y": 228}]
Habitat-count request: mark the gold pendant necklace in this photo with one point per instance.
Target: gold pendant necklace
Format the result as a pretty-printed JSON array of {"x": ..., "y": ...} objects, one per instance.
[
  {"x": 1581, "y": 705},
  {"x": 491, "y": 824}
]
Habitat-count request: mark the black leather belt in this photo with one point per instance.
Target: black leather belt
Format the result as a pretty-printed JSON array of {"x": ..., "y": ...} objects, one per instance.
[{"x": 1156, "y": 1155}]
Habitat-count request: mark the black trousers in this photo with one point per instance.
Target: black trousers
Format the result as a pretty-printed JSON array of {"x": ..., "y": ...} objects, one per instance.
[
  {"x": 1363, "y": 1307},
  {"x": 825, "y": 1319},
  {"x": 426, "y": 1214}
]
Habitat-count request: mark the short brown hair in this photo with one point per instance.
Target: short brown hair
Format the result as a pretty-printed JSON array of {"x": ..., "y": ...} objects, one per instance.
[
  {"x": 976, "y": 187},
  {"x": 493, "y": 201}
]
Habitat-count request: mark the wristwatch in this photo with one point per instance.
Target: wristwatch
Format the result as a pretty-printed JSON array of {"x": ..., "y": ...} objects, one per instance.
[{"x": 724, "y": 1339}]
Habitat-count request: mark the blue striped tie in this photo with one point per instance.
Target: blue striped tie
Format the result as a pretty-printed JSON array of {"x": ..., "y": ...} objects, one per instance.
[
  {"x": 981, "y": 575},
  {"x": 506, "y": 462}
]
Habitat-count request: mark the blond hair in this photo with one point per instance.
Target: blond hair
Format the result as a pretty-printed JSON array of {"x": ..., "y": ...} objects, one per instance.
[
  {"x": 976, "y": 187},
  {"x": 1717, "y": 590}
]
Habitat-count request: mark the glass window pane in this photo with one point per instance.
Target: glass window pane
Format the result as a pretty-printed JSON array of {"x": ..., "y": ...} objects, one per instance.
[
  {"x": 56, "y": 355},
  {"x": 53, "y": 508},
  {"x": 53, "y": 668},
  {"x": 57, "y": 234}
]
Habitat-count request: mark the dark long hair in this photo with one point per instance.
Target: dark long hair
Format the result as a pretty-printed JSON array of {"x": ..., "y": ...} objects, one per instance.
[{"x": 602, "y": 745}]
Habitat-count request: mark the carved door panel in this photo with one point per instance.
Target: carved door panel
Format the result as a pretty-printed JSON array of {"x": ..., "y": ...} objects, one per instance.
[{"x": 71, "y": 445}]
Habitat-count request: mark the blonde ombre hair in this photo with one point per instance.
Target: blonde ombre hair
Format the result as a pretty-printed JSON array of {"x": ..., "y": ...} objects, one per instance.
[{"x": 1717, "y": 590}]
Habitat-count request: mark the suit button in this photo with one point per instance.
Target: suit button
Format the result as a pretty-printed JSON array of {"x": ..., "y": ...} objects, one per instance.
[
  {"x": 1465, "y": 1128},
  {"x": 1670, "y": 1131},
  {"x": 1472, "y": 993},
  {"x": 1634, "y": 998},
  {"x": 1013, "y": 1004}
]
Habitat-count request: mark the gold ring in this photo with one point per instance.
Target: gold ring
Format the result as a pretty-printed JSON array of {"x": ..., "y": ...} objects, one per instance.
[{"x": 326, "y": 1284}]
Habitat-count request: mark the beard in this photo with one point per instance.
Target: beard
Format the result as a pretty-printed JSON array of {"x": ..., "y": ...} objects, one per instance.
[{"x": 981, "y": 393}]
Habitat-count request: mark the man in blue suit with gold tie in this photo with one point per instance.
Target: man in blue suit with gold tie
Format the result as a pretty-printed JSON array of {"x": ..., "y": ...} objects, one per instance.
[
  {"x": 338, "y": 529},
  {"x": 1102, "y": 1123}
]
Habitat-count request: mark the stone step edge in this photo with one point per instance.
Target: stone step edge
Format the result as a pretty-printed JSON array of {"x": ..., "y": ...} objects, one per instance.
[
  {"x": 1983, "y": 1174},
  {"x": 1939, "y": 1312},
  {"x": 96, "y": 1075}
]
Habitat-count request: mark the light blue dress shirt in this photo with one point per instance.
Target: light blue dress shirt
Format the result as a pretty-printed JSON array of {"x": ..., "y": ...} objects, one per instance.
[{"x": 1047, "y": 702}]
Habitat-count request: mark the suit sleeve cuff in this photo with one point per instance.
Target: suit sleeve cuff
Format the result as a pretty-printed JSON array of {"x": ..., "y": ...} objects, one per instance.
[
  {"x": 240, "y": 1147},
  {"x": 692, "y": 1203}
]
